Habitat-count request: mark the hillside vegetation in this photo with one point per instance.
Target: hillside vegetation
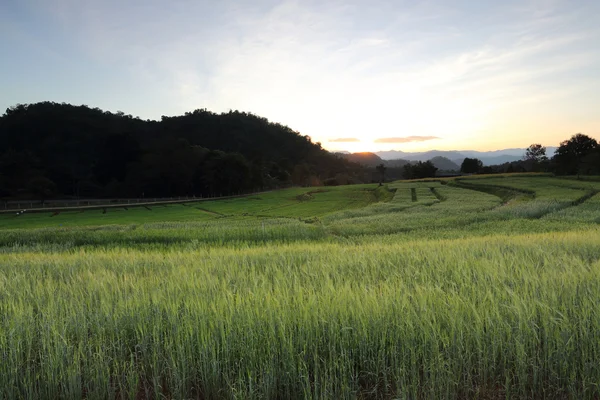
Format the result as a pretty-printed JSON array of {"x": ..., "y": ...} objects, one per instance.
[
  {"x": 472, "y": 288},
  {"x": 51, "y": 149}
]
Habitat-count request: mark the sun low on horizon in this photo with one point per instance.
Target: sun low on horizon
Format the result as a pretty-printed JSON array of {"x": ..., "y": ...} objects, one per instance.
[{"x": 352, "y": 75}]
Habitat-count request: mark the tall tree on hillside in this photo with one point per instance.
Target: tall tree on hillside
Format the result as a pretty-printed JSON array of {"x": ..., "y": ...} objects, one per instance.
[
  {"x": 535, "y": 158},
  {"x": 570, "y": 157},
  {"x": 381, "y": 169},
  {"x": 471, "y": 166},
  {"x": 426, "y": 169},
  {"x": 536, "y": 152}
]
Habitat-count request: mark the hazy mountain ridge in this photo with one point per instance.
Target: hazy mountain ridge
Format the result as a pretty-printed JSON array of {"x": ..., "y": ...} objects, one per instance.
[
  {"x": 493, "y": 157},
  {"x": 364, "y": 158},
  {"x": 445, "y": 164},
  {"x": 372, "y": 160}
]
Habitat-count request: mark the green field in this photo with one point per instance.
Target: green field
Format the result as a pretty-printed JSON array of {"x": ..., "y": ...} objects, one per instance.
[{"x": 473, "y": 288}]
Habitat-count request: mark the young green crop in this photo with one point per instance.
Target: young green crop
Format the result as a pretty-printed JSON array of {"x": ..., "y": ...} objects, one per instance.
[
  {"x": 355, "y": 292},
  {"x": 287, "y": 203},
  {"x": 421, "y": 319}
]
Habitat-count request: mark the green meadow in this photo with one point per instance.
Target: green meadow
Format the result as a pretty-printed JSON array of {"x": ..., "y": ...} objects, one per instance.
[{"x": 484, "y": 287}]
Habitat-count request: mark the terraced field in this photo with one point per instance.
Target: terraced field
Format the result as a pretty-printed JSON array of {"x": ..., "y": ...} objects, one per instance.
[
  {"x": 471, "y": 288},
  {"x": 289, "y": 203}
]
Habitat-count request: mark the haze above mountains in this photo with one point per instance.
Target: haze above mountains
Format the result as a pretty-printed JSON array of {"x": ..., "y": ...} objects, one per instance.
[{"x": 494, "y": 157}]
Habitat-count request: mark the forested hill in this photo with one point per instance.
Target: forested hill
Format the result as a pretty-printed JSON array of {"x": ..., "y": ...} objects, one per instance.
[{"x": 51, "y": 149}]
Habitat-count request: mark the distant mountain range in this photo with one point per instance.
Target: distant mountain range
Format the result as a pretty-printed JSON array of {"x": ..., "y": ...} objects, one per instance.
[
  {"x": 449, "y": 160},
  {"x": 372, "y": 160},
  {"x": 444, "y": 164},
  {"x": 494, "y": 157}
]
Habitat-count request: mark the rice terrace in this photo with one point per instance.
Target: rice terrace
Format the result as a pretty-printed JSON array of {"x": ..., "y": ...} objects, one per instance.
[{"x": 473, "y": 287}]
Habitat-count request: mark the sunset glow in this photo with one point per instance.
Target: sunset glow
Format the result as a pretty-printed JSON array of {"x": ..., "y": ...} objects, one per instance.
[{"x": 482, "y": 75}]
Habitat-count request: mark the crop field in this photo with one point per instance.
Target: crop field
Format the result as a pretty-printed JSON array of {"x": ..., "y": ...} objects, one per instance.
[
  {"x": 288, "y": 203},
  {"x": 483, "y": 287}
]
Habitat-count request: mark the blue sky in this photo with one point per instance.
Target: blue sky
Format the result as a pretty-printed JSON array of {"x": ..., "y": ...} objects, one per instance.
[{"x": 355, "y": 75}]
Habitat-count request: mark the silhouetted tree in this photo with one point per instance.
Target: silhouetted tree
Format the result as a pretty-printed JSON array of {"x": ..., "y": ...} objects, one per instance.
[
  {"x": 536, "y": 152},
  {"x": 570, "y": 157},
  {"x": 535, "y": 158},
  {"x": 471, "y": 166},
  {"x": 591, "y": 162},
  {"x": 419, "y": 170}
]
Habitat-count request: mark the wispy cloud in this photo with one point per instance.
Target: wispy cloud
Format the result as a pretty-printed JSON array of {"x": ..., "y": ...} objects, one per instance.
[
  {"x": 406, "y": 139},
  {"x": 345, "y": 140}
]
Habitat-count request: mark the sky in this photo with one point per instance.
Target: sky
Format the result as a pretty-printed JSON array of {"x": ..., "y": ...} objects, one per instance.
[{"x": 353, "y": 75}]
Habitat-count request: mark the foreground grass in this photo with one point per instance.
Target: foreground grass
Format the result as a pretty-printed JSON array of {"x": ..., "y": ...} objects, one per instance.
[
  {"x": 432, "y": 291},
  {"x": 515, "y": 315}
]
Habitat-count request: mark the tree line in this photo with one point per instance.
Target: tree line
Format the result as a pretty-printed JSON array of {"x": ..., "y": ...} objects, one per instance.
[
  {"x": 579, "y": 155},
  {"x": 50, "y": 149}
]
